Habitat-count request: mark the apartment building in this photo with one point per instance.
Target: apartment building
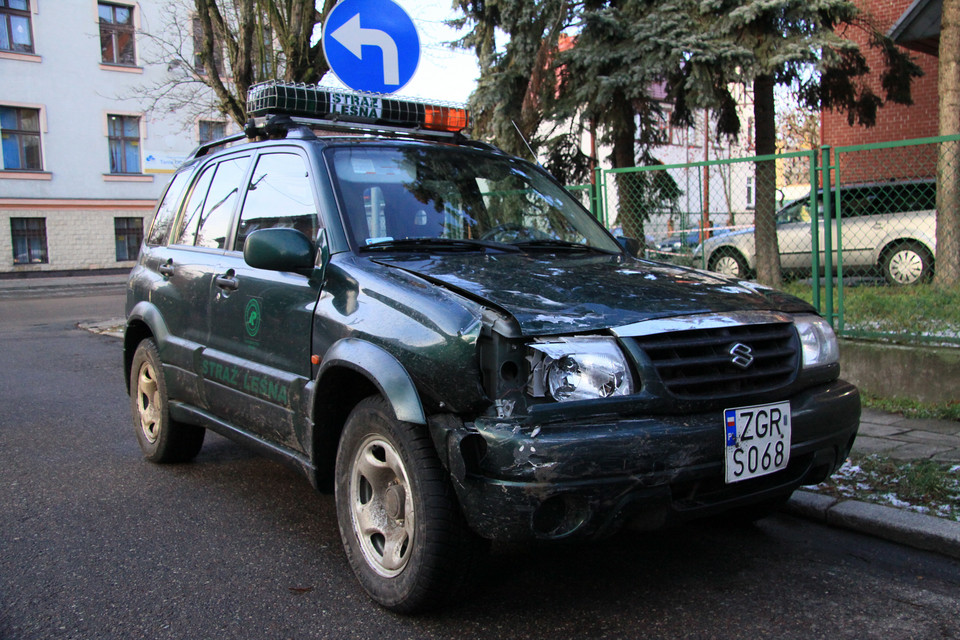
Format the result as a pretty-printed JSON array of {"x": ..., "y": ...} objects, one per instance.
[{"x": 83, "y": 159}]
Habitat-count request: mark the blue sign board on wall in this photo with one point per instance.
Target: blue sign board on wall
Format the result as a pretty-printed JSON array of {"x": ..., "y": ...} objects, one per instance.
[{"x": 371, "y": 45}]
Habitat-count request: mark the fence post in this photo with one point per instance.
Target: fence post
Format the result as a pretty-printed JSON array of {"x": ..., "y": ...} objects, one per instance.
[
  {"x": 838, "y": 220},
  {"x": 826, "y": 167},
  {"x": 604, "y": 200},
  {"x": 596, "y": 201},
  {"x": 815, "y": 232}
]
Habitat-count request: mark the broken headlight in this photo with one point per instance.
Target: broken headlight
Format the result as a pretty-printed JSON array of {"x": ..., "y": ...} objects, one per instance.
[
  {"x": 817, "y": 340},
  {"x": 578, "y": 369}
]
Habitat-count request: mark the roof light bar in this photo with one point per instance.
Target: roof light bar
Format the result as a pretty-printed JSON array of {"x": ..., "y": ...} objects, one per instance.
[{"x": 329, "y": 104}]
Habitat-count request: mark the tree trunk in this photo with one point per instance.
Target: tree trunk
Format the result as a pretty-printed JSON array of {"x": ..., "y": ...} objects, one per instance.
[
  {"x": 630, "y": 212},
  {"x": 948, "y": 162},
  {"x": 765, "y": 223}
]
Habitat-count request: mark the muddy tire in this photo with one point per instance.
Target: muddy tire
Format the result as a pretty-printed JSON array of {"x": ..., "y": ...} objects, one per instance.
[
  {"x": 400, "y": 522},
  {"x": 161, "y": 438}
]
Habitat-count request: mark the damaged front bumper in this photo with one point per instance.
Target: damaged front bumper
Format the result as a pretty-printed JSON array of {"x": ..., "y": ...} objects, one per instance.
[{"x": 590, "y": 477}]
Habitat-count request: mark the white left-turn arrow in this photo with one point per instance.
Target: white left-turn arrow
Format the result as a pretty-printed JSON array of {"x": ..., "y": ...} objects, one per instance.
[{"x": 352, "y": 36}]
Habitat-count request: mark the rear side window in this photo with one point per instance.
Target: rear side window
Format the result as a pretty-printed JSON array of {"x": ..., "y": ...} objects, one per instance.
[
  {"x": 279, "y": 195},
  {"x": 194, "y": 207},
  {"x": 167, "y": 211},
  {"x": 917, "y": 196},
  {"x": 209, "y": 209},
  {"x": 221, "y": 201},
  {"x": 890, "y": 198}
]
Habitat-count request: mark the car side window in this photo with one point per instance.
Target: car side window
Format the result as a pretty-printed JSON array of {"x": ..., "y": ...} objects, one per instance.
[
  {"x": 187, "y": 231},
  {"x": 279, "y": 195},
  {"x": 221, "y": 201},
  {"x": 209, "y": 209},
  {"x": 167, "y": 210},
  {"x": 799, "y": 211},
  {"x": 883, "y": 200},
  {"x": 918, "y": 196},
  {"x": 857, "y": 202}
]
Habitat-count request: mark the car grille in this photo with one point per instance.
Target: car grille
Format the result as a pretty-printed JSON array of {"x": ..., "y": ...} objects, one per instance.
[{"x": 699, "y": 363}]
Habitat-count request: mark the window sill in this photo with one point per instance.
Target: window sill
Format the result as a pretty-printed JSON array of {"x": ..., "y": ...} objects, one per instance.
[
  {"x": 26, "y": 175},
  {"x": 22, "y": 57},
  {"x": 126, "y": 177},
  {"x": 120, "y": 67}
]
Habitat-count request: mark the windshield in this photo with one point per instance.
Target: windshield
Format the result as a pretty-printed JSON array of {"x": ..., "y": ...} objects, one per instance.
[{"x": 411, "y": 197}]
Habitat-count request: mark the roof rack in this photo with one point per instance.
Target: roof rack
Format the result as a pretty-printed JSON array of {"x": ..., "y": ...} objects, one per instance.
[
  {"x": 206, "y": 147},
  {"x": 336, "y": 109}
]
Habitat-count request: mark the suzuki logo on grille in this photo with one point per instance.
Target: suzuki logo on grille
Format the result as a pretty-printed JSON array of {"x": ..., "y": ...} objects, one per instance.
[{"x": 742, "y": 355}]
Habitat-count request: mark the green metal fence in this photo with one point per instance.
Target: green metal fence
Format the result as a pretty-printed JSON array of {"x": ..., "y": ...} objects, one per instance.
[{"x": 874, "y": 205}]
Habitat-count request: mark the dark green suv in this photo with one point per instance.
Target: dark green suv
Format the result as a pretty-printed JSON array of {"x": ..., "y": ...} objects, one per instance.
[{"x": 440, "y": 334}]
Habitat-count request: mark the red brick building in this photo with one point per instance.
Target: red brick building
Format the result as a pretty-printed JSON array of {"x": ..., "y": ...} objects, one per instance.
[{"x": 894, "y": 122}]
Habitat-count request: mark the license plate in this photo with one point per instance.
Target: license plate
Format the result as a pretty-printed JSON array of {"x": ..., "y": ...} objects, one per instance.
[{"x": 757, "y": 440}]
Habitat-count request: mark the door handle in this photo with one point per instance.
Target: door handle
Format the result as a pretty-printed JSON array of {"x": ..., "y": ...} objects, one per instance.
[
  {"x": 228, "y": 281},
  {"x": 166, "y": 269}
]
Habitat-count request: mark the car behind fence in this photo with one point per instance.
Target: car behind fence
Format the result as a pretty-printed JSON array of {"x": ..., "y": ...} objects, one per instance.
[{"x": 875, "y": 205}]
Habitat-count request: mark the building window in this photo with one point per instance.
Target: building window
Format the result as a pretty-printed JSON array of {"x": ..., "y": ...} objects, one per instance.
[
  {"x": 198, "y": 49},
  {"x": 751, "y": 195},
  {"x": 212, "y": 130},
  {"x": 124, "y": 133},
  {"x": 129, "y": 235},
  {"x": 15, "y": 34},
  {"x": 20, "y": 134},
  {"x": 116, "y": 34},
  {"x": 29, "y": 240}
]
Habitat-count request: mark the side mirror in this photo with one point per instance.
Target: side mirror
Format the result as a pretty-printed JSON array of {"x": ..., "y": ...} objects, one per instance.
[
  {"x": 630, "y": 245},
  {"x": 278, "y": 249}
]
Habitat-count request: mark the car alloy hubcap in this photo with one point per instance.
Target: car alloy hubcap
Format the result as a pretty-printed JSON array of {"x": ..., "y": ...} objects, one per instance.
[
  {"x": 381, "y": 507},
  {"x": 906, "y": 266},
  {"x": 148, "y": 402},
  {"x": 728, "y": 266}
]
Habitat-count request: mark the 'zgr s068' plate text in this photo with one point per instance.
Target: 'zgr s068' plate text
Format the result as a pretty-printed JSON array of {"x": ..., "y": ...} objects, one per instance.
[{"x": 757, "y": 440}]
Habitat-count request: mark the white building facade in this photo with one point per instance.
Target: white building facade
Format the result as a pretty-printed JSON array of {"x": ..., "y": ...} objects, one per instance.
[{"x": 83, "y": 162}]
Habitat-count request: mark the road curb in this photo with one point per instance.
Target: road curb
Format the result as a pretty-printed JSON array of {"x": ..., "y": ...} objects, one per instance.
[{"x": 896, "y": 525}]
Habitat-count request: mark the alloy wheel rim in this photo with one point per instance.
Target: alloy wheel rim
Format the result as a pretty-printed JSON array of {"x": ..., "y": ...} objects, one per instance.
[
  {"x": 148, "y": 402},
  {"x": 381, "y": 506},
  {"x": 728, "y": 266}
]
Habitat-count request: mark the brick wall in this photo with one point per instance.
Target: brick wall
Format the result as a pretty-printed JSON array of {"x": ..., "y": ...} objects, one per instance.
[
  {"x": 76, "y": 238},
  {"x": 894, "y": 122}
]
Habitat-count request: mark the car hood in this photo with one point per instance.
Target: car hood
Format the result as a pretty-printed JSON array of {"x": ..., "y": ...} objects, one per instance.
[{"x": 550, "y": 294}]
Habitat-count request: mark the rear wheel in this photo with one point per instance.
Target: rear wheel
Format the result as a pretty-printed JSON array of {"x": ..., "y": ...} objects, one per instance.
[
  {"x": 401, "y": 526},
  {"x": 907, "y": 263},
  {"x": 161, "y": 438},
  {"x": 730, "y": 263}
]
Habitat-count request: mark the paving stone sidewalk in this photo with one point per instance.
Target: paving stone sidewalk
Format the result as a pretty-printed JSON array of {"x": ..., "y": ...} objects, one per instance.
[{"x": 905, "y": 439}]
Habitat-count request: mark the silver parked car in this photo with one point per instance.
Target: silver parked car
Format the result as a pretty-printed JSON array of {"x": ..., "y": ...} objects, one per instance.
[{"x": 887, "y": 228}]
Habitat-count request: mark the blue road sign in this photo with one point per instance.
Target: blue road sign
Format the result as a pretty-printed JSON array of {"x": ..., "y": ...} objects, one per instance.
[{"x": 371, "y": 45}]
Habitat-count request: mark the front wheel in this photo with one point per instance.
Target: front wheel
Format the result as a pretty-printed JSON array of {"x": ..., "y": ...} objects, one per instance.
[
  {"x": 907, "y": 263},
  {"x": 400, "y": 523},
  {"x": 729, "y": 263},
  {"x": 161, "y": 438}
]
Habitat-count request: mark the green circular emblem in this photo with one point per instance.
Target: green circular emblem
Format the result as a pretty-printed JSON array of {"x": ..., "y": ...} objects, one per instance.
[{"x": 251, "y": 317}]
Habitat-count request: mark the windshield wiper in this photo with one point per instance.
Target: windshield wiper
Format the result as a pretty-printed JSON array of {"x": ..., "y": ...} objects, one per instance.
[
  {"x": 442, "y": 244},
  {"x": 550, "y": 245}
]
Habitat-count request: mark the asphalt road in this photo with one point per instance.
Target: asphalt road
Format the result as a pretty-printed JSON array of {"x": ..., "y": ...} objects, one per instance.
[{"x": 97, "y": 543}]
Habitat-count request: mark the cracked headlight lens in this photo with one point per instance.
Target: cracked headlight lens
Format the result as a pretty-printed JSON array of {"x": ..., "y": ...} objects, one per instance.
[
  {"x": 817, "y": 341},
  {"x": 568, "y": 369}
]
